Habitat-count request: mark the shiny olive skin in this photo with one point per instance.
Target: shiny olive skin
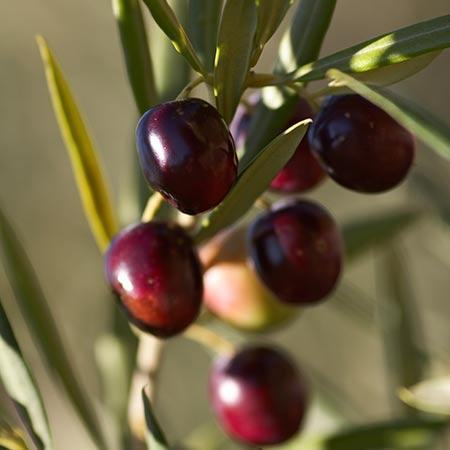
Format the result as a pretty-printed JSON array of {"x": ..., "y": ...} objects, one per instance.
[
  {"x": 156, "y": 274},
  {"x": 360, "y": 146},
  {"x": 258, "y": 396},
  {"x": 187, "y": 154},
  {"x": 297, "y": 250}
]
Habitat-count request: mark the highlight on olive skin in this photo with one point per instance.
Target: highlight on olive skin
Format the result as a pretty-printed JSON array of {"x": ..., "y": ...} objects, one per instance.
[
  {"x": 297, "y": 250},
  {"x": 360, "y": 146},
  {"x": 258, "y": 396},
  {"x": 154, "y": 270},
  {"x": 187, "y": 154}
]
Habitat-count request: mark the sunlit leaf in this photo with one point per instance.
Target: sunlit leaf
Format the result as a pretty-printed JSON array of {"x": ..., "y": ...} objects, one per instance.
[
  {"x": 428, "y": 128},
  {"x": 432, "y": 396},
  {"x": 22, "y": 389},
  {"x": 155, "y": 436},
  {"x": 253, "y": 181},
  {"x": 47, "y": 338},
  {"x": 390, "y": 48},
  {"x": 233, "y": 54},
  {"x": 168, "y": 22},
  {"x": 86, "y": 166},
  {"x": 136, "y": 52}
]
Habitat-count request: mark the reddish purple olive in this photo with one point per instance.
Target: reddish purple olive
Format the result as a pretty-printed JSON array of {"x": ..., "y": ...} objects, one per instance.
[
  {"x": 155, "y": 271},
  {"x": 258, "y": 396},
  {"x": 360, "y": 146},
  {"x": 187, "y": 154},
  {"x": 297, "y": 251},
  {"x": 303, "y": 171}
]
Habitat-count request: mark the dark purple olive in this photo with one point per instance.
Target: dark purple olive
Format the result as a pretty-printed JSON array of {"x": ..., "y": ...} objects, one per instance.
[
  {"x": 297, "y": 251},
  {"x": 360, "y": 146},
  {"x": 303, "y": 171},
  {"x": 155, "y": 272},
  {"x": 258, "y": 396},
  {"x": 187, "y": 154}
]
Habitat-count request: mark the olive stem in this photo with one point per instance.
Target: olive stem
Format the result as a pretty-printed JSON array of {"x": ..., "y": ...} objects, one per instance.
[
  {"x": 147, "y": 362},
  {"x": 263, "y": 203},
  {"x": 186, "y": 91},
  {"x": 209, "y": 339},
  {"x": 154, "y": 203}
]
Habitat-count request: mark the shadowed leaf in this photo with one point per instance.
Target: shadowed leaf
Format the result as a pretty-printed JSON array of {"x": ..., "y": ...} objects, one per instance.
[
  {"x": 253, "y": 181},
  {"x": 155, "y": 436},
  {"x": 36, "y": 312}
]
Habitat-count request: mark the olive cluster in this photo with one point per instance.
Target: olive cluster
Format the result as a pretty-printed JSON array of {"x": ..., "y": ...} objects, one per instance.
[{"x": 291, "y": 256}]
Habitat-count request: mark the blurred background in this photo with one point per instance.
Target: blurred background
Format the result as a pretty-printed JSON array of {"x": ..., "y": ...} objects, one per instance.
[{"x": 340, "y": 351}]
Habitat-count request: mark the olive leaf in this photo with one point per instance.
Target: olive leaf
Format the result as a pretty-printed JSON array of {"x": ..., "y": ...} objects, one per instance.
[
  {"x": 155, "y": 437},
  {"x": 21, "y": 388},
  {"x": 428, "y": 128},
  {"x": 233, "y": 54},
  {"x": 136, "y": 52},
  {"x": 203, "y": 26},
  {"x": 85, "y": 163},
  {"x": 169, "y": 23},
  {"x": 270, "y": 16},
  {"x": 253, "y": 181},
  {"x": 399, "y": 322},
  {"x": 303, "y": 39},
  {"x": 36, "y": 312},
  {"x": 362, "y": 235},
  {"x": 406, "y": 434},
  {"x": 172, "y": 72},
  {"x": 300, "y": 45},
  {"x": 390, "y": 48},
  {"x": 431, "y": 396}
]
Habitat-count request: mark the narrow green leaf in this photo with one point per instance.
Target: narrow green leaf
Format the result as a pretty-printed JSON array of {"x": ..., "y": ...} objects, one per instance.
[
  {"x": 169, "y": 23},
  {"x": 387, "y": 75},
  {"x": 136, "y": 52},
  {"x": 233, "y": 54},
  {"x": 362, "y": 235},
  {"x": 172, "y": 71},
  {"x": 302, "y": 41},
  {"x": 300, "y": 45},
  {"x": 204, "y": 18},
  {"x": 155, "y": 436},
  {"x": 390, "y": 48},
  {"x": 431, "y": 396},
  {"x": 399, "y": 435},
  {"x": 429, "y": 129},
  {"x": 253, "y": 181},
  {"x": 86, "y": 166},
  {"x": 21, "y": 387},
  {"x": 36, "y": 312},
  {"x": 399, "y": 323},
  {"x": 270, "y": 16}
]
